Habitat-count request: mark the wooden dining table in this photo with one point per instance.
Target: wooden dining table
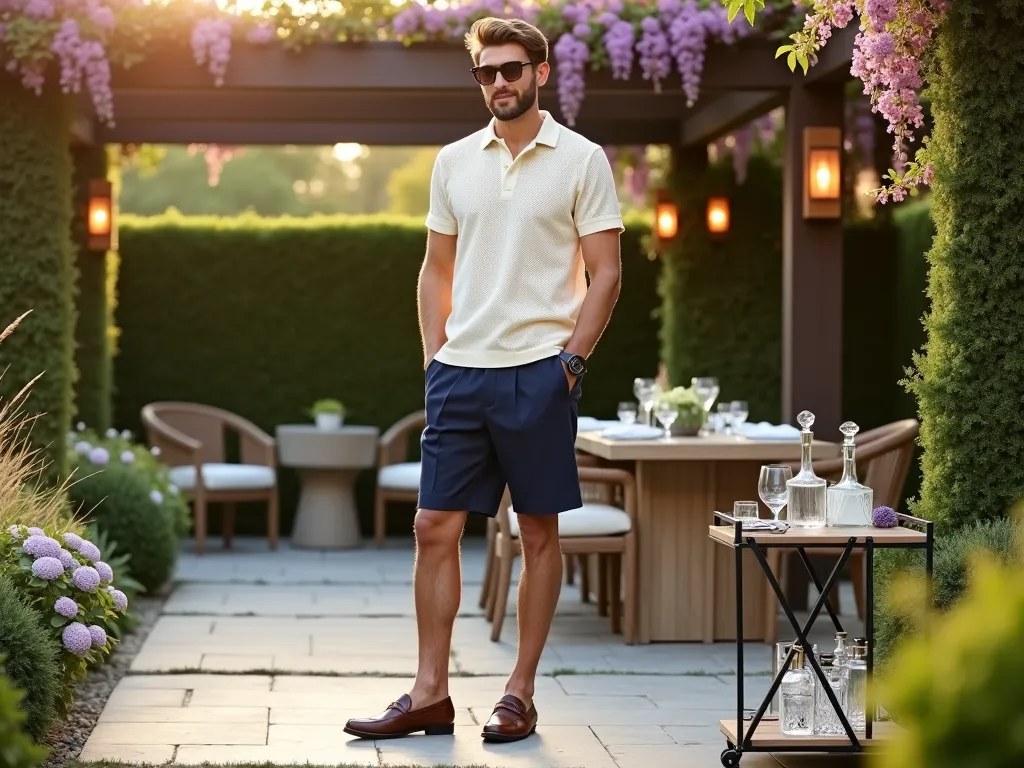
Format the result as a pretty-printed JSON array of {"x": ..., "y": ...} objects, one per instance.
[{"x": 686, "y": 589}]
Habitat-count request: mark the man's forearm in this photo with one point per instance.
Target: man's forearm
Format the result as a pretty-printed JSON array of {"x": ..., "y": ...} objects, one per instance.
[
  {"x": 595, "y": 312},
  {"x": 434, "y": 298}
]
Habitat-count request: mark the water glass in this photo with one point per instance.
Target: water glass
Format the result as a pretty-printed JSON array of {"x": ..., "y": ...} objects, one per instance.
[
  {"x": 707, "y": 389},
  {"x": 627, "y": 412},
  {"x": 772, "y": 488},
  {"x": 738, "y": 413},
  {"x": 666, "y": 414},
  {"x": 645, "y": 391},
  {"x": 724, "y": 419},
  {"x": 745, "y": 510}
]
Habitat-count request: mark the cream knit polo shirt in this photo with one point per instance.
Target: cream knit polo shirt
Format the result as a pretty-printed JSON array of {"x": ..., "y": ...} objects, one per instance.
[{"x": 519, "y": 276}]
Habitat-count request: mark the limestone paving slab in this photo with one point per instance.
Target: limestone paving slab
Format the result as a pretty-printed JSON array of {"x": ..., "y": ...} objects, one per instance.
[
  {"x": 279, "y": 754},
  {"x": 141, "y": 754},
  {"x": 178, "y": 733}
]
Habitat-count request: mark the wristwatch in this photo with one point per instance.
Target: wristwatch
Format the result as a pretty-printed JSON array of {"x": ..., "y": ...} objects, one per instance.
[{"x": 577, "y": 365}]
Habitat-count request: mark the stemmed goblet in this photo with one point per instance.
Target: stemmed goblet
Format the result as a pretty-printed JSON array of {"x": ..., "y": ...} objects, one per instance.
[{"x": 772, "y": 488}]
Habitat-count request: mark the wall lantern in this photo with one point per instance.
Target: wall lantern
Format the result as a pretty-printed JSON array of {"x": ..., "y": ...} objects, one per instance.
[
  {"x": 822, "y": 173},
  {"x": 666, "y": 216},
  {"x": 100, "y": 216},
  {"x": 718, "y": 215}
]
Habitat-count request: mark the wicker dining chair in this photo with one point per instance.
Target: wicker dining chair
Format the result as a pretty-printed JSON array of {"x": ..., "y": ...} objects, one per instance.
[{"x": 398, "y": 479}]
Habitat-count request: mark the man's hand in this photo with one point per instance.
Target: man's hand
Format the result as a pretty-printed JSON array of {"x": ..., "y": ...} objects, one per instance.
[
  {"x": 571, "y": 378},
  {"x": 434, "y": 293}
]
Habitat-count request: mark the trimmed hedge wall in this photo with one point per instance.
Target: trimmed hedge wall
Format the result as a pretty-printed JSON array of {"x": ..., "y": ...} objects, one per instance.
[
  {"x": 93, "y": 397},
  {"x": 970, "y": 382},
  {"x": 264, "y": 316},
  {"x": 36, "y": 265}
]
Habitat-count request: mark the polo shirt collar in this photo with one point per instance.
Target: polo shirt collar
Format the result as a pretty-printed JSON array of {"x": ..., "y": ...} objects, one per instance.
[{"x": 548, "y": 134}]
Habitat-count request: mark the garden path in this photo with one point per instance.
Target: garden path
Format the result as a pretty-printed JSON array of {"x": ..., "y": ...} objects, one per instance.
[{"x": 262, "y": 657}]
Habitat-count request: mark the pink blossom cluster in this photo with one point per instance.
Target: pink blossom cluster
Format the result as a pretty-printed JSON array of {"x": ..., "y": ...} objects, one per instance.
[{"x": 211, "y": 44}]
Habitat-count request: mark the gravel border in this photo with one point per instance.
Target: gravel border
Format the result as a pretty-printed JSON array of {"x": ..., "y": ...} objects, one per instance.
[{"x": 66, "y": 739}]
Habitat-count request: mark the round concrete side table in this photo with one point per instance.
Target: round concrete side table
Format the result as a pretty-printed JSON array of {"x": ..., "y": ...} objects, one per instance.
[{"x": 328, "y": 461}]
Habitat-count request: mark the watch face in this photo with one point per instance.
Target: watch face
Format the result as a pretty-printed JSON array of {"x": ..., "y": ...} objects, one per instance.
[{"x": 576, "y": 365}]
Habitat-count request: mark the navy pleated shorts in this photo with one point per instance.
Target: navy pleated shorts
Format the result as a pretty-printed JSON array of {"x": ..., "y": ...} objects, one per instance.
[{"x": 488, "y": 427}]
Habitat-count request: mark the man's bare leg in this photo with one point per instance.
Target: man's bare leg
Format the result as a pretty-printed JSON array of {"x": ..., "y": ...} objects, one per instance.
[
  {"x": 539, "y": 587},
  {"x": 437, "y": 585}
]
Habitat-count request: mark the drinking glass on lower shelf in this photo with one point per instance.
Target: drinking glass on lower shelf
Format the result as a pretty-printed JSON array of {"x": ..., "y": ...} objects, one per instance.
[
  {"x": 627, "y": 413},
  {"x": 772, "y": 486},
  {"x": 744, "y": 510},
  {"x": 666, "y": 414}
]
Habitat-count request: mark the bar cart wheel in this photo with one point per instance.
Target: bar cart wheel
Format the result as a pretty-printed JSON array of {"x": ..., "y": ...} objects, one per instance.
[{"x": 730, "y": 758}]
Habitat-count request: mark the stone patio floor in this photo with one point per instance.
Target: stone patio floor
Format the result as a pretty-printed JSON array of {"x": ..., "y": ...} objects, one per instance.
[{"x": 261, "y": 657}]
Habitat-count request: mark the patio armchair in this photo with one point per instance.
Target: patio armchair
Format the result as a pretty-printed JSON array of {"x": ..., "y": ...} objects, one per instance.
[
  {"x": 398, "y": 479},
  {"x": 599, "y": 529},
  {"x": 190, "y": 437},
  {"x": 884, "y": 455}
]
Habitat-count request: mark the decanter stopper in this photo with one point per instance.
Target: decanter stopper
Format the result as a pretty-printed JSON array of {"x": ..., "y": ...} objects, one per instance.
[
  {"x": 805, "y": 419},
  {"x": 849, "y": 429}
]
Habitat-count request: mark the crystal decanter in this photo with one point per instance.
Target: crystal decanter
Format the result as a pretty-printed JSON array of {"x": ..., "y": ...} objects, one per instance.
[
  {"x": 848, "y": 502},
  {"x": 797, "y": 715},
  {"x": 806, "y": 490}
]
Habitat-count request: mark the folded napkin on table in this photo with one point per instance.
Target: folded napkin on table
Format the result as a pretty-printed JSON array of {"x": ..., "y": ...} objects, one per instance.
[
  {"x": 590, "y": 424},
  {"x": 632, "y": 432},
  {"x": 764, "y": 430}
]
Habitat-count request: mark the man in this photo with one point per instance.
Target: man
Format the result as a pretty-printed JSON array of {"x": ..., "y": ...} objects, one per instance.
[{"x": 517, "y": 211}]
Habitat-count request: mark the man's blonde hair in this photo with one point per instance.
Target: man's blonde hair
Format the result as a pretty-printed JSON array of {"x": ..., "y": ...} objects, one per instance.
[{"x": 494, "y": 31}]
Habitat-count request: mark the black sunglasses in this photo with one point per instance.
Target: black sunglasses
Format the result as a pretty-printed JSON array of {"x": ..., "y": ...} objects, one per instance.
[{"x": 510, "y": 70}]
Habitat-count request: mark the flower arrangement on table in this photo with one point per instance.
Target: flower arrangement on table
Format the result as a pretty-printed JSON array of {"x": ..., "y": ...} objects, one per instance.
[
  {"x": 63, "y": 576},
  {"x": 689, "y": 407}
]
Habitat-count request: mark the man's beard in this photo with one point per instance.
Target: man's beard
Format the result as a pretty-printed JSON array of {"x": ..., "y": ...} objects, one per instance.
[{"x": 524, "y": 101}]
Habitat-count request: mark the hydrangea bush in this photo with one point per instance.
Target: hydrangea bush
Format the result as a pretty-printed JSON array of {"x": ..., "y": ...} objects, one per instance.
[
  {"x": 63, "y": 577},
  {"x": 91, "y": 453}
]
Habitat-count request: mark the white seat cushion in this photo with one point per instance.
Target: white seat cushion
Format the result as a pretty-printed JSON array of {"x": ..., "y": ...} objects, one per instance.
[
  {"x": 588, "y": 520},
  {"x": 225, "y": 477},
  {"x": 400, "y": 477}
]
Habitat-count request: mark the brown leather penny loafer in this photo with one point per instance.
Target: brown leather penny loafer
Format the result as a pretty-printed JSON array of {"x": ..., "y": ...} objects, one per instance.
[
  {"x": 510, "y": 721},
  {"x": 400, "y": 719}
]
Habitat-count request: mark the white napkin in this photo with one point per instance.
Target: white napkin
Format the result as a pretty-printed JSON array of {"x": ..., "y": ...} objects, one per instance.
[
  {"x": 764, "y": 430},
  {"x": 590, "y": 424},
  {"x": 632, "y": 432}
]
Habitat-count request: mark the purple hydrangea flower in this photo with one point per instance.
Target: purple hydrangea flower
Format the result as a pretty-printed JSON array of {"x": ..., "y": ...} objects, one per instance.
[
  {"x": 884, "y": 517},
  {"x": 127, "y": 457},
  {"x": 156, "y": 496},
  {"x": 105, "y": 571},
  {"x": 99, "y": 456},
  {"x": 86, "y": 578},
  {"x": 98, "y": 634},
  {"x": 80, "y": 426},
  {"x": 66, "y": 607},
  {"x": 48, "y": 568},
  {"x": 36, "y": 531},
  {"x": 67, "y": 559},
  {"x": 77, "y": 638},
  {"x": 111, "y": 433},
  {"x": 89, "y": 551},
  {"x": 155, "y": 450},
  {"x": 73, "y": 540},
  {"x": 41, "y": 546},
  {"x": 126, "y": 434},
  {"x": 120, "y": 600},
  {"x": 82, "y": 447}
]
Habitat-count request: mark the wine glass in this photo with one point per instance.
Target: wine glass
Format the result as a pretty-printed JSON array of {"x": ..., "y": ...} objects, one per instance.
[
  {"x": 627, "y": 412},
  {"x": 772, "y": 488},
  {"x": 707, "y": 389},
  {"x": 666, "y": 413},
  {"x": 645, "y": 390},
  {"x": 738, "y": 411},
  {"x": 724, "y": 418}
]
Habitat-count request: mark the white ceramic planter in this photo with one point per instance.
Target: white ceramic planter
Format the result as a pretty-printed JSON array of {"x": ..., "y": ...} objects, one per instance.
[{"x": 328, "y": 421}]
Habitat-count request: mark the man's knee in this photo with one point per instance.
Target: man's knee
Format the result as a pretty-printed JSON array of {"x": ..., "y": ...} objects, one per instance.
[
  {"x": 438, "y": 528},
  {"x": 538, "y": 532}
]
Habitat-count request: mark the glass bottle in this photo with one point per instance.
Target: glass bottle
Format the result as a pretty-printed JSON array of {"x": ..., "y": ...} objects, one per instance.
[
  {"x": 857, "y": 696},
  {"x": 841, "y": 655},
  {"x": 826, "y": 721},
  {"x": 806, "y": 490},
  {"x": 797, "y": 715},
  {"x": 848, "y": 502}
]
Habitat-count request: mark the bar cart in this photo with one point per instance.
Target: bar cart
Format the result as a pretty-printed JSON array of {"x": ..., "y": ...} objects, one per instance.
[{"x": 911, "y": 533}]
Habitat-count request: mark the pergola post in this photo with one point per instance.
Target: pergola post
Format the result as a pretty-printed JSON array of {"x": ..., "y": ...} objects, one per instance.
[{"x": 812, "y": 275}]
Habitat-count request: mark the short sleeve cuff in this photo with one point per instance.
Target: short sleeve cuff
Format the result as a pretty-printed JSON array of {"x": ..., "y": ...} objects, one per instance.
[
  {"x": 600, "y": 225},
  {"x": 440, "y": 225}
]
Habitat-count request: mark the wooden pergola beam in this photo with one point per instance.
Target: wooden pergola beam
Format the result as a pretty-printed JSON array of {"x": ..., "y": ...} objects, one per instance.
[
  {"x": 377, "y": 133},
  {"x": 724, "y": 113}
]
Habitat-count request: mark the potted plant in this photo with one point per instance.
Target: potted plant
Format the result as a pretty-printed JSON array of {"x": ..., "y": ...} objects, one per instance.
[
  {"x": 328, "y": 413},
  {"x": 689, "y": 410}
]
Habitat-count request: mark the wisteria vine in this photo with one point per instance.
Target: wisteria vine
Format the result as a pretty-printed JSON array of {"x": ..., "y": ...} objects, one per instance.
[{"x": 81, "y": 41}]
